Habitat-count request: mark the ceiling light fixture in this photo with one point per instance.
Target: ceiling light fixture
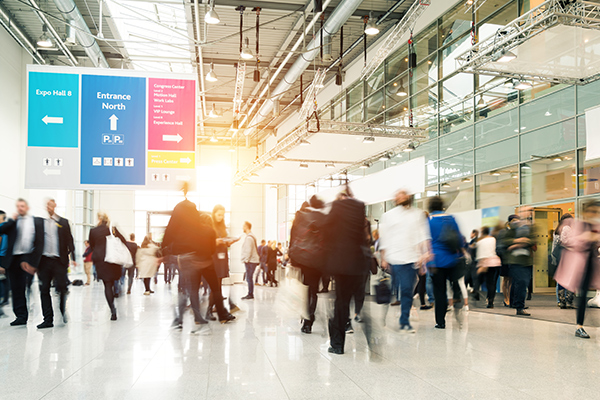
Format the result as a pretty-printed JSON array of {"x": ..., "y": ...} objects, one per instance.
[
  {"x": 409, "y": 148},
  {"x": 246, "y": 53},
  {"x": 254, "y": 174},
  {"x": 364, "y": 166},
  {"x": 267, "y": 165},
  {"x": 211, "y": 17},
  {"x": 369, "y": 139},
  {"x": 514, "y": 175},
  {"x": 280, "y": 158},
  {"x": 557, "y": 159},
  {"x": 330, "y": 165},
  {"x": 213, "y": 112},
  {"x": 303, "y": 166},
  {"x": 481, "y": 103},
  {"x": 446, "y": 185},
  {"x": 547, "y": 113},
  {"x": 385, "y": 157},
  {"x": 505, "y": 56},
  {"x": 495, "y": 173},
  {"x": 214, "y": 139},
  {"x": 523, "y": 85},
  {"x": 466, "y": 180},
  {"x": 370, "y": 28},
  {"x": 525, "y": 166},
  {"x": 211, "y": 76},
  {"x": 401, "y": 91},
  {"x": 232, "y": 149},
  {"x": 45, "y": 40},
  {"x": 304, "y": 142}
]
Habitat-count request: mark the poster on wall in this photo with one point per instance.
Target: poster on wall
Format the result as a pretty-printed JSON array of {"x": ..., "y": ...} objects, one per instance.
[
  {"x": 592, "y": 133},
  {"x": 92, "y": 128}
]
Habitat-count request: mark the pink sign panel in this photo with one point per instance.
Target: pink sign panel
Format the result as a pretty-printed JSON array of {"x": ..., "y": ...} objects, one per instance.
[{"x": 171, "y": 114}]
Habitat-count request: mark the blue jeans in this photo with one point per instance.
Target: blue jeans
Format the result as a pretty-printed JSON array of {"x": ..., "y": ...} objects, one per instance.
[
  {"x": 429, "y": 288},
  {"x": 406, "y": 276},
  {"x": 250, "y": 267}
]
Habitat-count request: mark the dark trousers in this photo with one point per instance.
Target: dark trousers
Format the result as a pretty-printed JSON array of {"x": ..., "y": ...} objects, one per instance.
[
  {"x": 325, "y": 280},
  {"x": 262, "y": 269},
  {"x": 250, "y": 268},
  {"x": 582, "y": 298},
  {"x": 359, "y": 296},
  {"x": 147, "y": 284},
  {"x": 19, "y": 282},
  {"x": 521, "y": 275},
  {"x": 439, "y": 277},
  {"x": 169, "y": 272},
  {"x": 345, "y": 287},
  {"x": 130, "y": 272},
  {"x": 311, "y": 277},
  {"x": 491, "y": 280},
  {"x": 421, "y": 288},
  {"x": 52, "y": 269}
]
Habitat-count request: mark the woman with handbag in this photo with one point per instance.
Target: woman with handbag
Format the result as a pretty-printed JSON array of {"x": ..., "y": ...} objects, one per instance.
[
  {"x": 107, "y": 272},
  {"x": 488, "y": 263},
  {"x": 147, "y": 263}
]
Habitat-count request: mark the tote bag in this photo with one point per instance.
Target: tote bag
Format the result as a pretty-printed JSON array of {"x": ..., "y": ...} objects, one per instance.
[{"x": 117, "y": 252}]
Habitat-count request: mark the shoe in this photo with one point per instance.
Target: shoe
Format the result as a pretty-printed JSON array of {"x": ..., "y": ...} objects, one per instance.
[
  {"x": 324, "y": 291},
  {"x": 529, "y": 296},
  {"x": 152, "y": 291},
  {"x": 349, "y": 328},
  {"x": 18, "y": 322},
  {"x": 87, "y": 284},
  {"x": 581, "y": 333},
  {"x": 147, "y": 293},
  {"x": 201, "y": 322},
  {"x": 438, "y": 326},
  {"x": 306, "y": 327},
  {"x": 407, "y": 329},
  {"x": 234, "y": 309},
  {"x": 396, "y": 303},
  {"x": 476, "y": 296},
  {"x": 176, "y": 325},
  {"x": 490, "y": 306},
  {"x": 248, "y": 297},
  {"x": 228, "y": 318},
  {"x": 201, "y": 330},
  {"x": 45, "y": 324},
  {"x": 333, "y": 350},
  {"x": 562, "y": 306},
  {"x": 65, "y": 318},
  {"x": 116, "y": 295},
  {"x": 466, "y": 308},
  {"x": 257, "y": 284},
  {"x": 426, "y": 307},
  {"x": 210, "y": 317},
  {"x": 129, "y": 292},
  {"x": 358, "y": 319},
  {"x": 459, "y": 315},
  {"x": 113, "y": 315},
  {"x": 523, "y": 313},
  {"x": 506, "y": 305},
  {"x": 571, "y": 307}
]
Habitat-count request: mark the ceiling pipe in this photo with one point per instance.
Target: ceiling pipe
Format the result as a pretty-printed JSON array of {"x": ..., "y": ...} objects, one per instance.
[
  {"x": 55, "y": 34},
  {"x": 17, "y": 34},
  {"x": 338, "y": 17},
  {"x": 69, "y": 10}
]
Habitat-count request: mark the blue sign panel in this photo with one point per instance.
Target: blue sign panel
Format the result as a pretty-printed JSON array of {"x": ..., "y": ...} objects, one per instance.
[
  {"x": 113, "y": 130},
  {"x": 53, "y": 110}
]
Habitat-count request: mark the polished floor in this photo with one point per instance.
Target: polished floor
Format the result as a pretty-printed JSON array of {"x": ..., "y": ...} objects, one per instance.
[{"x": 263, "y": 355}]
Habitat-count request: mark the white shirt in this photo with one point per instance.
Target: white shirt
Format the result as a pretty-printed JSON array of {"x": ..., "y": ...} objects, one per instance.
[
  {"x": 401, "y": 232},
  {"x": 25, "y": 235},
  {"x": 486, "y": 248},
  {"x": 51, "y": 248}
]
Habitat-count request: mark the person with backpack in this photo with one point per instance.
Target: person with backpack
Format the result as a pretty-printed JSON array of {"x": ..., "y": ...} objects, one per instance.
[
  {"x": 447, "y": 245},
  {"x": 404, "y": 243},
  {"x": 307, "y": 252}
]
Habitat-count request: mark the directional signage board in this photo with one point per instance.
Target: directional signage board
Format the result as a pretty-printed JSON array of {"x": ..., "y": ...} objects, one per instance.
[{"x": 109, "y": 129}]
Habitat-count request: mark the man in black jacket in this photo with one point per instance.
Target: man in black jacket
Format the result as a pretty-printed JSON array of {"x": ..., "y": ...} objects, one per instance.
[
  {"x": 346, "y": 261},
  {"x": 54, "y": 265},
  {"x": 25, "y": 246}
]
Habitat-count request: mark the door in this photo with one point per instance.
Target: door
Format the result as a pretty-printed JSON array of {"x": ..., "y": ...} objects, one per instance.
[{"x": 546, "y": 220}]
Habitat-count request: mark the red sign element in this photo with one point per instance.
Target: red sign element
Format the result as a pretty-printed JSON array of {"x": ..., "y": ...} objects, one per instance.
[{"x": 171, "y": 114}]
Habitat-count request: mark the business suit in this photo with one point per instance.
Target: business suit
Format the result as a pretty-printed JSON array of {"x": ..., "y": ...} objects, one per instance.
[
  {"x": 56, "y": 268},
  {"x": 345, "y": 237},
  {"x": 19, "y": 278}
]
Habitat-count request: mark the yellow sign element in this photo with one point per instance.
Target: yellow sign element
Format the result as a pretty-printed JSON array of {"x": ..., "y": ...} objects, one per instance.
[{"x": 172, "y": 159}]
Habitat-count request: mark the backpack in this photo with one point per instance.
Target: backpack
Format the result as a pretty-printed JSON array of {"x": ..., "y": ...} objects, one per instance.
[
  {"x": 307, "y": 246},
  {"x": 449, "y": 237}
]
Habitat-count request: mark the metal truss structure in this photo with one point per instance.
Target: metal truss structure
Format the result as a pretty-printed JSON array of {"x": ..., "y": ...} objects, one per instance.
[
  {"x": 239, "y": 88},
  {"x": 304, "y": 132},
  {"x": 551, "y": 13},
  {"x": 391, "y": 41},
  {"x": 473, "y": 5},
  {"x": 310, "y": 102}
]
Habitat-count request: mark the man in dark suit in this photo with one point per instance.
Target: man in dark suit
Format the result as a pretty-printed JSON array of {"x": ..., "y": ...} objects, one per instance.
[
  {"x": 58, "y": 245},
  {"x": 25, "y": 246},
  {"x": 346, "y": 236}
]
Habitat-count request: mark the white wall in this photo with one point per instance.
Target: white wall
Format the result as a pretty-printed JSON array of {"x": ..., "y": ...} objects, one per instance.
[{"x": 119, "y": 205}]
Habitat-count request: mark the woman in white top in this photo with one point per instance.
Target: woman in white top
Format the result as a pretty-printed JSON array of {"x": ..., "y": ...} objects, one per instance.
[
  {"x": 147, "y": 263},
  {"x": 488, "y": 263}
]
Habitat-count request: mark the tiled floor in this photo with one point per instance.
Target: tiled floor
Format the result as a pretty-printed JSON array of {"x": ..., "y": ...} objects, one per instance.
[{"x": 264, "y": 356}]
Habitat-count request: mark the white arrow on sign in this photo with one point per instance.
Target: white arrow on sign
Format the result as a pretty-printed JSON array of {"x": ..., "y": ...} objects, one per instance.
[
  {"x": 52, "y": 120},
  {"x": 113, "y": 122},
  {"x": 172, "y": 138},
  {"x": 186, "y": 160},
  {"x": 51, "y": 172}
]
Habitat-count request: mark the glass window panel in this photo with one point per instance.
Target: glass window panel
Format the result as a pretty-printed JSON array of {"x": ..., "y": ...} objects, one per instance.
[
  {"x": 549, "y": 109},
  {"x": 398, "y": 115},
  {"x": 587, "y": 96},
  {"x": 421, "y": 199},
  {"x": 375, "y": 81},
  {"x": 378, "y": 119},
  {"x": 428, "y": 124},
  {"x": 399, "y": 158},
  {"x": 498, "y": 189},
  {"x": 497, "y": 155},
  {"x": 497, "y": 128},
  {"x": 456, "y": 142},
  {"x": 456, "y": 89},
  {"x": 424, "y": 75},
  {"x": 429, "y": 150},
  {"x": 426, "y": 42},
  {"x": 498, "y": 20},
  {"x": 588, "y": 175},
  {"x": 453, "y": 24},
  {"x": 337, "y": 109},
  {"x": 539, "y": 89},
  {"x": 374, "y": 105},
  {"x": 354, "y": 95},
  {"x": 448, "y": 63},
  {"x": 397, "y": 64},
  {"x": 546, "y": 179},
  {"x": 581, "y": 131},
  {"x": 396, "y": 91},
  {"x": 456, "y": 116},
  {"x": 458, "y": 195},
  {"x": 424, "y": 106},
  {"x": 355, "y": 114},
  {"x": 431, "y": 170},
  {"x": 497, "y": 96},
  {"x": 548, "y": 141},
  {"x": 78, "y": 198},
  {"x": 456, "y": 167}
]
